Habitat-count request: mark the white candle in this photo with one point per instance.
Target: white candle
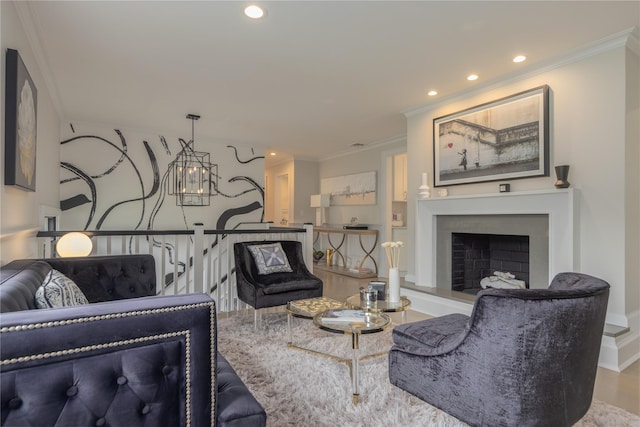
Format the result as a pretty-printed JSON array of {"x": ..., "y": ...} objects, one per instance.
[{"x": 424, "y": 178}]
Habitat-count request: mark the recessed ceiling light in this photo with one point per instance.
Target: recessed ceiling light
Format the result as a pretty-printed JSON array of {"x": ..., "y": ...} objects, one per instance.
[
  {"x": 519, "y": 58},
  {"x": 272, "y": 153},
  {"x": 254, "y": 12},
  {"x": 472, "y": 77},
  {"x": 432, "y": 93}
]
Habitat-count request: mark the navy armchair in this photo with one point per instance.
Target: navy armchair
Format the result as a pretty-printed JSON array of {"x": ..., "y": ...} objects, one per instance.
[
  {"x": 525, "y": 357},
  {"x": 278, "y": 288}
]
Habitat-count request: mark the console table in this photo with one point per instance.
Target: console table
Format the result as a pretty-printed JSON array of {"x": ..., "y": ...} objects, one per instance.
[{"x": 337, "y": 238}]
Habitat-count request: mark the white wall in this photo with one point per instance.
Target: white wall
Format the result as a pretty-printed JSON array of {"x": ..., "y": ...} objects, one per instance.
[
  {"x": 20, "y": 209},
  {"x": 305, "y": 183},
  {"x": 588, "y": 131},
  {"x": 632, "y": 192},
  {"x": 271, "y": 179},
  {"x": 365, "y": 160}
]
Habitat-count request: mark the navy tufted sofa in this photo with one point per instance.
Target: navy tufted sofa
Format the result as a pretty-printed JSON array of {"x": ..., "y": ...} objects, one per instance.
[{"x": 119, "y": 361}]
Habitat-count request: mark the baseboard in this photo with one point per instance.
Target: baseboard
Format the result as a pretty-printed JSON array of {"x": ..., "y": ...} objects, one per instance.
[
  {"x": 434, "y": 305},
  {"x": 618, "y": 353}
]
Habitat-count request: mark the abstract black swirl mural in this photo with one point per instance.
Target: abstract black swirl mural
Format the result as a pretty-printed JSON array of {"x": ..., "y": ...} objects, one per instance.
[{"x": 117, "y": 180}]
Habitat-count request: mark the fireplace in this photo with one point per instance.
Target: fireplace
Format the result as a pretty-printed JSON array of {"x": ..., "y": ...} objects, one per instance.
[
  {"x": 545, "y": 216},
  {"x": 477, "y": 256},
  {"x": 528, "y": 246}
]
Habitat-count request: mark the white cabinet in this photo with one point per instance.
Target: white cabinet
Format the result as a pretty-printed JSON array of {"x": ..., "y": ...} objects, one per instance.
[{"x": 400, "y": 177}]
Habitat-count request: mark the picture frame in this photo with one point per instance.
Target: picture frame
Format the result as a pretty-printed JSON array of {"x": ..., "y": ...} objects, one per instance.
[
  {"x": 21, "y": 123},
  {"x": 503, "y": 139},
  {"x": 353, "y": 189}
]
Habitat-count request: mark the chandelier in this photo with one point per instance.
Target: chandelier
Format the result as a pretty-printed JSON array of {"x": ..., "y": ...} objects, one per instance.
[{"x": 193, "y": 178}]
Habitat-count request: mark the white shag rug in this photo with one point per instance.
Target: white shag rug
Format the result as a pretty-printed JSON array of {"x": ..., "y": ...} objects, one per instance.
[{"x": 300, "y": 389}]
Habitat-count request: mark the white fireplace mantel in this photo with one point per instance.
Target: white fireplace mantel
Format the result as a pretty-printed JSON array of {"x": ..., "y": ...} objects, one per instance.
[{"x": 558, "y": 204}]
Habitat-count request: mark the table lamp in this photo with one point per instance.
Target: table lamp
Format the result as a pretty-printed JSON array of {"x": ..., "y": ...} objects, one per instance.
[
  {"x": 320, "y": 202},
  {"x": 74, "y": 244}
]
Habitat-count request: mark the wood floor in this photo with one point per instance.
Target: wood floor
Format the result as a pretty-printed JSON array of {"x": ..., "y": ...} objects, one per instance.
[{"x": 621, "y": 389}]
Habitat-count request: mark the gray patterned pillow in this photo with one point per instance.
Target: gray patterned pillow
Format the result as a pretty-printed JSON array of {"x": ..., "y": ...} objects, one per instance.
[
  {"x": 58, "y": 290},
  {"x": 270, "y": 258}
]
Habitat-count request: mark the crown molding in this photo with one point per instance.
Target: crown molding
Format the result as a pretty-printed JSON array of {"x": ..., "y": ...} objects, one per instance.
[
  {"x": 623, "y": 38},
  {"x": 28, "y": 19}
]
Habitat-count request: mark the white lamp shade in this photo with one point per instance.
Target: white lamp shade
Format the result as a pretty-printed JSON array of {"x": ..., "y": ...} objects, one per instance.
[
  {"x": 74, "y": 244},
  {"x": 320, "y": 200}
]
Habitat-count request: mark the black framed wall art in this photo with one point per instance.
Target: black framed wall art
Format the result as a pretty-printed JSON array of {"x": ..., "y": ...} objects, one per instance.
[
  {"x": 504, "y": 139},
  {"x": 21, "y": 115}
]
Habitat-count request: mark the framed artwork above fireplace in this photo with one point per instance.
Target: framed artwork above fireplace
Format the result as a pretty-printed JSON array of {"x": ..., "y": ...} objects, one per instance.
[{"x": 504, "y": 139}]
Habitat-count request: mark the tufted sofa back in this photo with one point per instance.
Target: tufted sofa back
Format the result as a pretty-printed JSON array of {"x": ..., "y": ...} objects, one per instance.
[{"x": 118, "y": 277}]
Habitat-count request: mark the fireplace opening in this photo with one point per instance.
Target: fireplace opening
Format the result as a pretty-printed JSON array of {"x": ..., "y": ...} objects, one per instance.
[{"x": 476, "y": 256}]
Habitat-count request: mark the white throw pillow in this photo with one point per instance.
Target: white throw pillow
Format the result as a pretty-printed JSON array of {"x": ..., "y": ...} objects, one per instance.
[
  {"x": 270, "y": 258},
  {"x": 58, "y": 290}
]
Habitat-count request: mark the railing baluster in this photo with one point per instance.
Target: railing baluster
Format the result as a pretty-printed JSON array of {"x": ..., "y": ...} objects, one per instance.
[
  {"x": 187, "y": 267},
  {"x": 163, "y": 265},
  {"x": 198, "y": 261}
]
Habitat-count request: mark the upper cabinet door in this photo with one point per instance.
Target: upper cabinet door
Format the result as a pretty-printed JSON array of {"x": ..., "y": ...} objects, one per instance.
[{"x": 400, "y": 177}]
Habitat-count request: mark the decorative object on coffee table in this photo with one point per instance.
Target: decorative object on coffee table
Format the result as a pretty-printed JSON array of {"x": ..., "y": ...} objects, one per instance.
[
  {"x": 379, "y": 286},
  {"x": 382, "y": 306},
  {"x": 393, "y": 259},
  {"x": 562, "y": 173},
  {"x": 368, "y": 297}
]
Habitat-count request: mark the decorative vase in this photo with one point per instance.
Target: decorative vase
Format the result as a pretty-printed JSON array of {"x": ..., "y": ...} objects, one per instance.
[
  {"x": 394, "y": 284},
  {"x": 329, "y": 257},
  {"x": 424, "y": 192},
  {"x": 562, "y": 173}
]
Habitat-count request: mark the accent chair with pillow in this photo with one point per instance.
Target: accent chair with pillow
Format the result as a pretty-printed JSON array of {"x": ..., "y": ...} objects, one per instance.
[
  {"x": 525, "y": 357},
  {"x": 111, "y": 352},
  {"x": 272, "y": 273}
]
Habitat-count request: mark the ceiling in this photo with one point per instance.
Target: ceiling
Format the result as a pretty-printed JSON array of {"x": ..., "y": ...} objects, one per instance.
[{"x": 309, "y": 80}]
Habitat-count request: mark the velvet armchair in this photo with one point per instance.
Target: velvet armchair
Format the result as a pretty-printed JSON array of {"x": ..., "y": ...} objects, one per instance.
[{"x": 525, "y": 357}]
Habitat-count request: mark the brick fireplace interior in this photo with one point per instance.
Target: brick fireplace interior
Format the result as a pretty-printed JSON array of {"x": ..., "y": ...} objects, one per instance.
[{"x": 475, "y": 256}]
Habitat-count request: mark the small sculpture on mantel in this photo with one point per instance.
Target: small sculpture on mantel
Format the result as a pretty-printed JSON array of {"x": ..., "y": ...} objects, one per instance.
[
  {"x": 424, "y": 191},
  {"x": 562, "y": 173}
]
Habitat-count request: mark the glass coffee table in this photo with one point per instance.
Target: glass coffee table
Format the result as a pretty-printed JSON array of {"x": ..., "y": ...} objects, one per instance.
[
  {"x": 354, "y": 323},
  {"x": 306, "y": 309},
  {"x": 381, "y": 306}
]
